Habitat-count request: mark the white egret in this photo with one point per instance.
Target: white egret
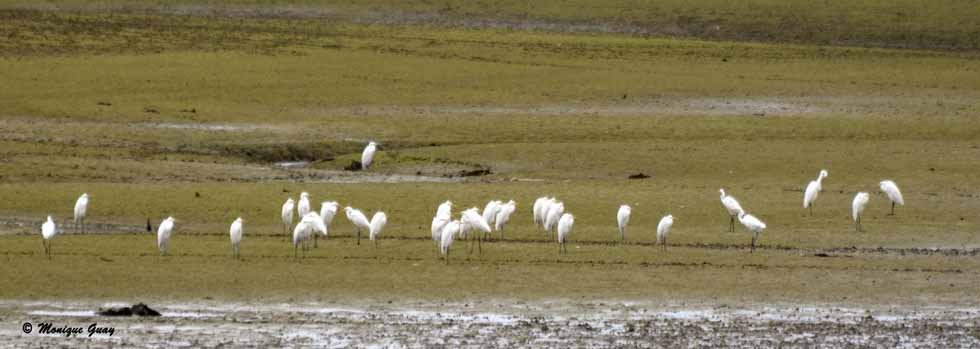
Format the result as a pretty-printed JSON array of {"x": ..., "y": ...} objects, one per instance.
[
  {"x": 732, "y": 206},
  {"x": 663, "y": 228},
  {"x": 439, "y": 222},
  {"x": 236, "y": 236},
  {"x": 813, "y": 189},
  {"x": 564, "y": 228},
  {"x": 304, "y": 204},
  {"x": 287, "y": 215},
  {"x": 328, "y": 210},
  {"x": 490, "y": 212},
  {"x": 359, "y": 220},
  {"x": 308, "y": 226},
  {"x": 445, "y": 209},
  {"x": 857, "y": 207},
  {"x": 368, "y": 155},
  {"x": 447, "y": 235},
  {"x": 754, "y": 226},
  {"x": 48, "y": 231},
  {"x": 622, "y": 219},
  {"x": 471, "y": 220},
  {"x": 555, "y": 211},
  {"x": 163, "y": 234},
  {"x": 378, "y": 223},
  {"x": 81, "y": 207},
  {"x": 895, "y": 195},
  {"x": 538, "y": 210},
  {"x": 545, "y": 210},
  {"x": 503, "y": 216}
]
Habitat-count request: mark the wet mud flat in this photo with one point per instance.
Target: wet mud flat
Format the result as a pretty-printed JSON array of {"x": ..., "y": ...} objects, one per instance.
[{"x": 495, "y": 324}]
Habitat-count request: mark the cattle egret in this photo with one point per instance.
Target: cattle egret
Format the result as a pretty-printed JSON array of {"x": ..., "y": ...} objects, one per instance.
[
  {"x": 359, "y": 220},
  {"x": 503, "y": 216},
  {"x": 857, "y": 207},
  {"x": 308, "y": 226},
  {"x": 378, "y": 223},
  {"x": 447, "y": 236},
  {"x": 754, "y": 226},
  {"x": 287, "y": 215},
  {"x": 732, "y": 206},
  {"x": 555, "y": 211},
  {"x": 445, "y": 209},
  {"x": 81, "y": 207},
  {"x": 304, "y": 204},
  {"x": 812, "y": 190},
  {"x": 48, "y": 231},
  {"x": 538, "y": 210},
  {"x": 163, "y": 234},
  {"x": 564, "y": 227},
  {"x": 663, "y": 228},
  {"x": 471, "y": 220},
  {"x": 490, "y": 211},
  {"x": 622, "y": 219},
  {"x": 328, "y": 210},
  {"x": 236, "y": 236},
  {"x": 893, "y": 193},
  {"x": 368, "y": 155}
]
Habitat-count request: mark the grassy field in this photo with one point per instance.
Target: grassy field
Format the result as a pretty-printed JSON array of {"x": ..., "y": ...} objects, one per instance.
[{"x": 184, "y": 110}]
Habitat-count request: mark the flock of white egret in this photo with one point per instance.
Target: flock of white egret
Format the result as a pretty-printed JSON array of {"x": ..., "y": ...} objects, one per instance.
[{"x": 548, "y": 212}]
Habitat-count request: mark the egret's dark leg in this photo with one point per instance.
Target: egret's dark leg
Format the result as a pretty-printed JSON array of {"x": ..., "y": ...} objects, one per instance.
[
  {"x": 893, "y": 209},
  {"x": 479, "y": 242},
  {"x": 358, "y": 237},
  {"x": 50, "y": 248},
  {"x": 375, "y": 243},
  {"x": 811, "y": 209},
  {"x": 754, "y": 237},
  {"x": 732, "y": 224},
  {"x": 447, "y": 256}
]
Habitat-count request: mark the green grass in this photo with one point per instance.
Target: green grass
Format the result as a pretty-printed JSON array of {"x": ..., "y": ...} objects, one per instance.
[
  {"x": 563, "y": 114},
  {"x": 946, "y": 24}
]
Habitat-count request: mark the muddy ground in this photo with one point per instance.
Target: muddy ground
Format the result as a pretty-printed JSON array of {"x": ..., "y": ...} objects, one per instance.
[{"x": 498, "y": 323}]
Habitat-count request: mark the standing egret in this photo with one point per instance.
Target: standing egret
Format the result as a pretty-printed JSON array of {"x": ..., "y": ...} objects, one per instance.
[
  {"x": 48, "y": 231},
  {"x": 163, "y": 234},
  {"x": 368, "y": 155},
  {"x": 304, "y": 204},
  {"x": 308, "y": 226},
  {"x": 545, "y": 210},
  {"x": 236, "y": 236},
  {"x": 663, "y": 228},
  {"x": 503, "y": 216},
  {"x": 446, "y": 237},
  {"x": 893, "y": 193},
  {"x": 490, "y": 212},
  {"x": 622, "y": 219},
  {"x": 287, "y": 215},
  {"x": 359, "y": 220},
  {"x": 439, "y": 222},
  {"x": 732, "y": 206},
  {"x": 538, "y": 210},
  {"x": 812, "y": 190},
  {"x": 445, "y": 209},
  {"x": 554, "y": 214},
  {"x": 378, "y": 223},
  {"x": 471, "y": 220},
  {"x": 81, "y": 207},
  {"x": 328, "y": 210},
  {"x": 754, "y": 226},
  {"x": 857, "y": 207},
  {"x": 564, "y": 227}
]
